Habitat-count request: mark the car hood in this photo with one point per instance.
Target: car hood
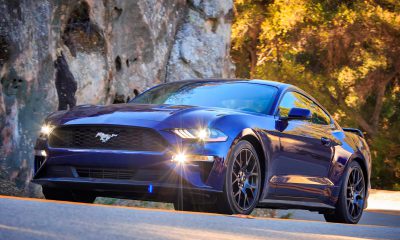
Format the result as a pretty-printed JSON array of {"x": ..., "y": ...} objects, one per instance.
[{"x": 145, "y": 115}]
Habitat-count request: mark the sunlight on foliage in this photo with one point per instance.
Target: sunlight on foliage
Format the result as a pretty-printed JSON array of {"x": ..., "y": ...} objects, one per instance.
[{"x": 346, "y": 53}]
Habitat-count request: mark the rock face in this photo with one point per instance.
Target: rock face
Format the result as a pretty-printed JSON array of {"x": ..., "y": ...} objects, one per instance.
[
  {"x": 58, "y": 54},
  {"x": 204, "y": 38}
]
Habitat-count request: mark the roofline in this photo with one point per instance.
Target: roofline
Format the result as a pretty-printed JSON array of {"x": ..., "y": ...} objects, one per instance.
[{"x": 279, "y": 85}]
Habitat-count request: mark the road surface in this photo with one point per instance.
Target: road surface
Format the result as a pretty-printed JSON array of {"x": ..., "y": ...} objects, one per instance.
[
  {"x": 22, "y": 218},
  {"x": 370, "y": 217}
]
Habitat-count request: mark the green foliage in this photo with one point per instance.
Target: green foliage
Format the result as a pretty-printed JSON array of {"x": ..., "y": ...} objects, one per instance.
[
  {"x": 345, "y": 52},
  {"x": 288, "y": 215}
]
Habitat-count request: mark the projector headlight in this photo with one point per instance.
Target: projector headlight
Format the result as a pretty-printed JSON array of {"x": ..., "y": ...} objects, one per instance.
[
  {"x": 46, "y": 130},
  {"x": 202, "y": 134}
]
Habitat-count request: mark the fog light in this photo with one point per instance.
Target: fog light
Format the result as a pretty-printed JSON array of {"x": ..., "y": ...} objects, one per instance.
[
  {"x": 41, "y": 153},
  {"x": 183, "y": 158},
  {"x": 44, "y": 154},
  {"x": 46, "y": 129},
  {"x": 179, "y": 158}
]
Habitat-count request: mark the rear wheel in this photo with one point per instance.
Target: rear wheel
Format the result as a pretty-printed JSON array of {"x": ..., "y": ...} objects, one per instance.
[
  {"x": 350, "y": 205},
  {"x": 68, "y": 195}
]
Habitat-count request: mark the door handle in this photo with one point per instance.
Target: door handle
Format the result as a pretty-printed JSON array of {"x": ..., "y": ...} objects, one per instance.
[{"x": 326, "y": 141}]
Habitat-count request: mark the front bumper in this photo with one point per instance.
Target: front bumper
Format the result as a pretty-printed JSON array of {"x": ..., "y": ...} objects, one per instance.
[
  {"x": 154, "y": 175},
  {"x": 137, "y": 190}
]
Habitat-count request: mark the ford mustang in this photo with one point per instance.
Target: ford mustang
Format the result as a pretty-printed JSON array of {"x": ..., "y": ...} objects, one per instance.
[{"x": 216, "y": 145}]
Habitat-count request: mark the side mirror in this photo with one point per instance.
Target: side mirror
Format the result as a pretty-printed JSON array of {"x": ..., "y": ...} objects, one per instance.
[{"x": 299, "y": 114}]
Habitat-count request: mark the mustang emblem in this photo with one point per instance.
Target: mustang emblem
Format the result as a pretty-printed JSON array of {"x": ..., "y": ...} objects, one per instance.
[{"x": 105, "y": 137}]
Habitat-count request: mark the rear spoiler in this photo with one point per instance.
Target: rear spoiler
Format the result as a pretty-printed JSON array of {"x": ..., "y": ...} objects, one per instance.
[{"x": 355, "y": 131}]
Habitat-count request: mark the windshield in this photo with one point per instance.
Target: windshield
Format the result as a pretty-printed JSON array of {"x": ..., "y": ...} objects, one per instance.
[{"x": 242, "y": 96}]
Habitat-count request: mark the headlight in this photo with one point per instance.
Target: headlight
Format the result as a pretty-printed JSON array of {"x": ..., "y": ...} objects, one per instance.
[
  {"x": 46, "y": 130},
  {"x": 202, "y": 134}
]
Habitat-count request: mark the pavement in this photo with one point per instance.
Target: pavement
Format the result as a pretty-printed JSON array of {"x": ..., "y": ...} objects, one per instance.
[
  {"x": 23, "y": 218},
  {"x": 383, "y": 210},
  {"x": 383, "y": 200}
]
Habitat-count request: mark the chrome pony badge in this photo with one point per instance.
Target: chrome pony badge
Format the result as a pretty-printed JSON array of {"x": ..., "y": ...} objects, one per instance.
[{"x": 105, "y": 137}]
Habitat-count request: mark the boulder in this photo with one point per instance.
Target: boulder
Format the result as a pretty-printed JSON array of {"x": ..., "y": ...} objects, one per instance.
[{"x": 55, "y": 54}]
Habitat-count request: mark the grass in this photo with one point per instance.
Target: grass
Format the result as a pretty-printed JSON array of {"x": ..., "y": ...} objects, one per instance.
[{"x": 134, "y": 203}]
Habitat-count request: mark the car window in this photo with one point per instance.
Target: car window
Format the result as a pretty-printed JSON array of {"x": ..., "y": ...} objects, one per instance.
[
  {"x": 293, "y": 99},
  {"x": 319, "y": 116},
  {"x": 249, "y": 97}
]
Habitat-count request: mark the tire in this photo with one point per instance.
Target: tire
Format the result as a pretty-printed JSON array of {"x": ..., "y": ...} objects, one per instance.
[
  {"x": 242, "y": 181},
  {"x": 68, "y": 195},
  {"x": 350, "y": 205}
]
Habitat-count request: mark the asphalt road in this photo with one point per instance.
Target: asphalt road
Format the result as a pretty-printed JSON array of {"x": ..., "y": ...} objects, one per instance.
[
  {"x": 22, "y": 218},
  {"x": 370, "y": 217}
]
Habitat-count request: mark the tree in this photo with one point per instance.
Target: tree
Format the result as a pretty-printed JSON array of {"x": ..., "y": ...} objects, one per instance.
[
  {"x": 246, "y": 30},
  {"x": 347, "y": 50}
]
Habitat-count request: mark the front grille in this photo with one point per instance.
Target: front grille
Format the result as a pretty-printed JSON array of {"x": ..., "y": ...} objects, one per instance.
[
  {"x": 122, "y": 174},
  {"x": 122, "y": 138}
]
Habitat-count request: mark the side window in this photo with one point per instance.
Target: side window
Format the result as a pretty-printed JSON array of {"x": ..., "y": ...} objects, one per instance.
[
  {"x": 319, "y": 116},
  {"x": 291, "y": 100},
  {"x": 294, "y": 99}
]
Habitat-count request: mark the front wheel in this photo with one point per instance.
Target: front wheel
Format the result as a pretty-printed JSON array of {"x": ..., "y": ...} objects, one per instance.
[
  {"x": 350, "y": 205},
  {"x": 243, "y": 180}
]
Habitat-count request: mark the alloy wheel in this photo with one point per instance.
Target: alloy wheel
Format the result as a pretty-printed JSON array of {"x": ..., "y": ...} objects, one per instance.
[
  {"x": 245, "y": 178},
  {"x": 355, "y": 193}
]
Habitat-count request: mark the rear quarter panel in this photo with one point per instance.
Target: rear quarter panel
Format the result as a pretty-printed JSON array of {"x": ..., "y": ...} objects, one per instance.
[{"x": 350, "y": 147}]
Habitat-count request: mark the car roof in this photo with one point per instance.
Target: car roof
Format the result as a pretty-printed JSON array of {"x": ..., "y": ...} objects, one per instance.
[
  {"x": 279, "y": 85},
  {"x": 282, "y": 87}
]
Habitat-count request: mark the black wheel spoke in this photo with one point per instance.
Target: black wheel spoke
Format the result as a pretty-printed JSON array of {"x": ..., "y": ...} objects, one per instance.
[
  {"x": 235, "y": 181},
  {"x": 237, "y": 193},
  {"x": 252, "y": 192},
  {"x": 246, "y": 157},
  {"x": 238, "y": 162}
]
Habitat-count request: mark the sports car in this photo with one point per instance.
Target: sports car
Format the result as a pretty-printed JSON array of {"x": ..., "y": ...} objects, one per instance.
[{"x": 216, "y": 145}]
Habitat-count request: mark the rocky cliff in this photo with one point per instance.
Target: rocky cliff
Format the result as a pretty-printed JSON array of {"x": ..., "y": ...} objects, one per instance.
[{"x": 55, "y": 54}]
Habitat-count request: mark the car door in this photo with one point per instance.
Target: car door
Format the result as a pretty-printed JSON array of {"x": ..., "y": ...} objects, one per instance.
[{"x": 302, "y": 166}]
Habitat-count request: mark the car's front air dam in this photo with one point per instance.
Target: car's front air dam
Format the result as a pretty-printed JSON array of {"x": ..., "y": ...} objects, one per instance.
[
  {"x": 100, "y": 169},
  {"x": 137, "y": 190}
]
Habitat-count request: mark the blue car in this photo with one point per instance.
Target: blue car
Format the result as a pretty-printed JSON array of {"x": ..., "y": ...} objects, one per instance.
[{"x": 217, "y": 145}]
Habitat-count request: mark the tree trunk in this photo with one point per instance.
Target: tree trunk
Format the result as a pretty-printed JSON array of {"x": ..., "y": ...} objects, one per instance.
[
  {"x": 380, "y": 94},
  {"x": 252, "y": 58}
]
